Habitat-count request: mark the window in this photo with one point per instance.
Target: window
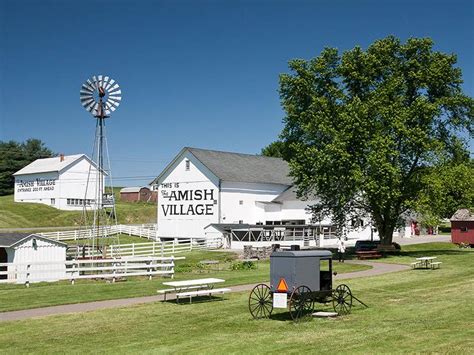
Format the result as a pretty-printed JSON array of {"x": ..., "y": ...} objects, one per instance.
[
  {"x": 188, "y": 164},
  {"x": 464, "y": 229},
  {"x": 241, "y": 202},
  {"x": 241, "y": 221},
  {"x": 53, "y": 201}
]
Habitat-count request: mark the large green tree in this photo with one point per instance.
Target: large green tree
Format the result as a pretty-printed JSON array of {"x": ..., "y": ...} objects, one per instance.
[
  {"x": 366, "y": 127},
  {"x": 14, "y": 156}
]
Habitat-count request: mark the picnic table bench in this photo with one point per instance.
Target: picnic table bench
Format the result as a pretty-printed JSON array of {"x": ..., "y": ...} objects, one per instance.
[
  {"x": 186, "y": 287},
  {"x": 208, "y": 292},
  {"x": 426, "y": 262},
  {"x": 368, "y": 254}
]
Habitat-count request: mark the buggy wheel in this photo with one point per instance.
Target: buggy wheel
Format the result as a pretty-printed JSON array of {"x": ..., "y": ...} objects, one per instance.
[
  {"x": 261, "y": 302},
  {"x": 301, "y": 303},
  {"x": 342, "y": 299}
]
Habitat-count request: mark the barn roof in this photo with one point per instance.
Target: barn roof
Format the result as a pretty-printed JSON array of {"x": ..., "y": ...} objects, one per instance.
[
  {"x": 8, "y": 240},
  {"x": 238, "y": 167},
  {"x": 463, "y": 215},
  {"x": 302, "y": 253},
  {"x": 133, "y": 189},
  {"x": 51, "y": 164}
]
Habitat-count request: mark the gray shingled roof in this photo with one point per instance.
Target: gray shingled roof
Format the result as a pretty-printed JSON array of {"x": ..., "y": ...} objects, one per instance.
[
  {"x": 239, "y": 167},
  {"x": 463, "y": 215},
  {"x": 10, "y": 239}
]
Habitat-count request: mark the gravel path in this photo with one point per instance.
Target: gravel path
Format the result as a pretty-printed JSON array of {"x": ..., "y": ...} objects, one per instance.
[{"x": 377, "y": 269}]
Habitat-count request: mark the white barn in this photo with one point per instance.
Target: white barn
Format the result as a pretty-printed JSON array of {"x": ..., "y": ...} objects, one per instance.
[
  {"x": 248, "y": 199},
  {"x": 59, "y": 182},
  {"x": 45, "y": 255}
]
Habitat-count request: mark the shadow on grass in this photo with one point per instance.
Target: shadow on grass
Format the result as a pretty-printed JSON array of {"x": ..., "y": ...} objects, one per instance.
[{"x": 196, "y": 299}]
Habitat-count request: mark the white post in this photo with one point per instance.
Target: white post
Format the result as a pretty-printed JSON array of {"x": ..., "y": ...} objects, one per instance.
[{"x": 133, "y": 249}]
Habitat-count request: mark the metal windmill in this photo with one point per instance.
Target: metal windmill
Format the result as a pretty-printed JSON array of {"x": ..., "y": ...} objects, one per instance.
[{"x": 100, "y": 95}]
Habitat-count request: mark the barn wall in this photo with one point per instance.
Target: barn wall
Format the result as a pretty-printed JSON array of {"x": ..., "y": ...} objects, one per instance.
[
  {"x": 45, "y": 251},
  {"x": 54, "y": 189},
  {"x": 73, "y": 183},
  {"x": 188, "y": 200},
  {"x": 129, "y": 196},
  {"x": 240, "y": 201},
  {"x": 462, "y": 237}
]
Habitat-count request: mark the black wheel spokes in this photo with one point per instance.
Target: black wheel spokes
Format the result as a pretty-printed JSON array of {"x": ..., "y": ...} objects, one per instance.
[
  {"x": 260, "y": 303},
  {"x": 342, "y": 299},
  {"x": 301, "y": 303}
]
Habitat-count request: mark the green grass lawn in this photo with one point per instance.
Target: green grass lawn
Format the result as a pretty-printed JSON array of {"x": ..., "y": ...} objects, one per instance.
[
  {"x": 15, "y": 297},
  {"x": 415, "y": 311},
  {"x": 29, "y": 215}
]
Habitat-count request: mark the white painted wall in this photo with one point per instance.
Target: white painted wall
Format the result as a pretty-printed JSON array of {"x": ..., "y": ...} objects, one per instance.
[
  {"x": 45, "y": 251},
  {"x": 188, "y": 200},
  {"x": 55, "y": 188},
  {"x": 250, "y": 211}
]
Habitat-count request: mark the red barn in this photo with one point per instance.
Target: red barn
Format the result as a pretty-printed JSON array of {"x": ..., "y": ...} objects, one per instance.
[
  {"x": 462, "y": 227},
  {"x": 133, "y": 194}
]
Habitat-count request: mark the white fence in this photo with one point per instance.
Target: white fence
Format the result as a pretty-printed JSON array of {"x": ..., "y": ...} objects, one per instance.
[
  {"x": 143, "y": 230},
  {"x": 26, "y": 273},
  {"x": 146, "y": 249}
]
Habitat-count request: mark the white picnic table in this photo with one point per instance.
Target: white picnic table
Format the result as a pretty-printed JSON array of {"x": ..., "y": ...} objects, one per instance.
[
  {"x": 186, "y": 285},
  {"x": 425, "y": 261}
]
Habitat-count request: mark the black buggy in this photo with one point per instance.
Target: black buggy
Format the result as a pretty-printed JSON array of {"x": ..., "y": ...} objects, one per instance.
[{"x": 298, "y": 279}]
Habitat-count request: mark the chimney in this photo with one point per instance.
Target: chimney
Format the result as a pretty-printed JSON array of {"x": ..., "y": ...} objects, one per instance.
[{"x": 61, "y": 157}]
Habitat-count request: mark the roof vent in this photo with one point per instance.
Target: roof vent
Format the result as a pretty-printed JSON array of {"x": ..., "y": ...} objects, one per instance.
[{"x": 61, "y": 157}]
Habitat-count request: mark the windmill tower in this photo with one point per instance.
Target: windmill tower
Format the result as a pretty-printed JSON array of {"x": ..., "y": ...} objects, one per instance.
[{"x": 100, "y": 95}]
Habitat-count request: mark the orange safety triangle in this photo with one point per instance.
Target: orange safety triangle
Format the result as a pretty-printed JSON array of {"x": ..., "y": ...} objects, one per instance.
[{"x": 282, "y": 286}]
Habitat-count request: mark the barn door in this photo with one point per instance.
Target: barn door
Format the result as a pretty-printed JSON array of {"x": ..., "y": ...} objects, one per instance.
[{"x": 3, "y": 259}]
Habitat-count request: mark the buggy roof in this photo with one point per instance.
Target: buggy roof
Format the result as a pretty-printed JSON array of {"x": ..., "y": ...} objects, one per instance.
[{"x": 321, "y": 254}]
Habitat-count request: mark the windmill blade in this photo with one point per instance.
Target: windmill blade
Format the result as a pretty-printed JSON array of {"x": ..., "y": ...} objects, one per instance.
[
  {"x": 110, "y": 101},
  {"x": 86, "y": 103},
  {"x": 91, "y": 84},
  {"x": 89, "y": 99},
  {"x": 86, "y": 88},
  {"x": 109, "y": 85},
  {"x": 105, "y": 83},
  {"x": 110, "y": 107}
]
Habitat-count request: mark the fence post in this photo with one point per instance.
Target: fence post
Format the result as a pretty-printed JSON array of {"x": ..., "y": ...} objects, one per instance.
[
  {"x": 73, "y": 271},
  {"x": 149, "y": 269},
  {"x": 114, "y": 270},
  {"x": 162, "y": 249},
  {"x": 153, "y": 250},
  {"x": 27, "y": 276},
  {"x": 133, "y": 249}
]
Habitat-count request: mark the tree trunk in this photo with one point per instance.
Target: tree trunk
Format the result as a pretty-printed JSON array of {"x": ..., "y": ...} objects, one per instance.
[{"x": 385, "y": 228}]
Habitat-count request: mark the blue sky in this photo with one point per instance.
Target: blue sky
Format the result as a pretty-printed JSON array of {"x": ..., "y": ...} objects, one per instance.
[{"x": 193, "y": 73}]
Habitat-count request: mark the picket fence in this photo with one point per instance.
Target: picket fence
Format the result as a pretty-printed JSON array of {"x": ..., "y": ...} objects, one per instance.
[
  {"x": 142, "y": 230},
  {"x": 71, "y": 270},
  {"x": 161, "y": 249}
]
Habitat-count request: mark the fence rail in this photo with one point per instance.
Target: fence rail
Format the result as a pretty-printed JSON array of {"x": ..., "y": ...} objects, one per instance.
[
  {"x": 161, "y": 249},
  {"x": 142, "y": 230},
  {"x": 26, "y": 273}
]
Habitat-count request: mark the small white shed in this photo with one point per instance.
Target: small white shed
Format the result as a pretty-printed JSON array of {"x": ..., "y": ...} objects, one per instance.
[{"x": 34, "y": 258}]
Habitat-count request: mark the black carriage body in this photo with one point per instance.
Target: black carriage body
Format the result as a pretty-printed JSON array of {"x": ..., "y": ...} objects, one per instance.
[{"x": 301, "y": 267}]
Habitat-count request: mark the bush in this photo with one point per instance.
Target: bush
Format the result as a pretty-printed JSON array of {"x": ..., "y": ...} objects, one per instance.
[{"x": 243, "y": 265}]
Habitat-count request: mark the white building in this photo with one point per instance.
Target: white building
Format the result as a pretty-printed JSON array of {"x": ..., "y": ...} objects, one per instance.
[
  {"x": 248, "y": 199},
  {"x": 42, "y": 257},
  {"x": 60, "y": 182}
]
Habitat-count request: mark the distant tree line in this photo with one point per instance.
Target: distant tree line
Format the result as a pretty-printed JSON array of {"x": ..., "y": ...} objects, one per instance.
[{"x": 16, "y": 155}]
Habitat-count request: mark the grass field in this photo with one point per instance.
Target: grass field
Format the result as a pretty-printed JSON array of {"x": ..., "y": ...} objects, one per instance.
[
  {"x": 413, "y": 311},
  {"x": 15, "y": 297},
  {"x": 27, "y": 215}
]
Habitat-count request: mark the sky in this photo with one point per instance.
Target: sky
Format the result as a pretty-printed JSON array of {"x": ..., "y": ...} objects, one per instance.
[{"x": 200, "y": 73}]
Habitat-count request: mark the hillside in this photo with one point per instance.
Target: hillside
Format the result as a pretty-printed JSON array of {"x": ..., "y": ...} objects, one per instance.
[{"x": 25, "y": 215}]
